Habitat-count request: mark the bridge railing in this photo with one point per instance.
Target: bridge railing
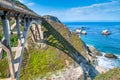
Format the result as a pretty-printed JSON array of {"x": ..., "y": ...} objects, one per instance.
[{"x": 9, "y": 5}]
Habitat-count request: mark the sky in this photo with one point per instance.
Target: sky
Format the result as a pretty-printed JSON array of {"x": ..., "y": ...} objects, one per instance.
[{"x": 77, "y": 10}]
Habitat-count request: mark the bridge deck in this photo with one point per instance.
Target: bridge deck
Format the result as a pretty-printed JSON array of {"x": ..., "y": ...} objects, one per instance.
[{"x": 9, "y": 5}]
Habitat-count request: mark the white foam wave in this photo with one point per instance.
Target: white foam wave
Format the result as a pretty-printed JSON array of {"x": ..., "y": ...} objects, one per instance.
[{"x": 108, "y": 63}]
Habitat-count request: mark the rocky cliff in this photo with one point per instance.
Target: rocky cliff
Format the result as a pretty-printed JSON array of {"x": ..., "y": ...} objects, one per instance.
[{"x": 72, "y": 38}]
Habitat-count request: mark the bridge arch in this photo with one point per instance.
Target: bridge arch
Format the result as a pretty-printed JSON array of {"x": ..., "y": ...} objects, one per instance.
[
  {"x": 10, "y": 9},
  {"x": 35, "y": 28},
  {"x": 32, "y": 25}
]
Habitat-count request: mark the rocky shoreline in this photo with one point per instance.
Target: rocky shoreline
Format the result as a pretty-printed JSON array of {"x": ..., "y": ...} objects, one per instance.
[
  {"x": 95, "y": 53},
  {"x": 103, "y": 61}
]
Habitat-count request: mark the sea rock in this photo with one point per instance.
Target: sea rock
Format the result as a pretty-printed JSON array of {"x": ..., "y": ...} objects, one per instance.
[
  {"x": 83, "y": 28},
  {"x": 93, "y": 51},
  {"x": 83, "y": 32},
  {"x": 105, "y": 32},
  {"x": 78, "y": 31},
  {"x": 111, "y": 56}
]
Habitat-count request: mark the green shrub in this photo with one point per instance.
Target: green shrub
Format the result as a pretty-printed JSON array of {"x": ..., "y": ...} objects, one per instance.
[
  {"x": 41, "y": 62},
  {"x": 0, "y": 22},
  {"x": 1, "y": 35},
  {"x": 113, "y": 74},
  {"x": 14, "y": 40},
  {"x": 3, "y": 68}
]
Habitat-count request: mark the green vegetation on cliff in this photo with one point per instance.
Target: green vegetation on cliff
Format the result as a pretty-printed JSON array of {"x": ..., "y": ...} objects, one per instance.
[
  {"x": 4, "y": 68},
  {"x": 113, "y": 74},
  {"x": 38, "y": 62},
  {"x": 13, "y": 40}
]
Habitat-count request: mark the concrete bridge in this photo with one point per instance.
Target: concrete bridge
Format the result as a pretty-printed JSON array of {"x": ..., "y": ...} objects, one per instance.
[{"x": 30, "y": 22}]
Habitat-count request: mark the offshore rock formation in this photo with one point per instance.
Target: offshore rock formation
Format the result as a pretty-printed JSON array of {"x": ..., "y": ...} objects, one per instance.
[
  {"x": 83, "y": 32},
  {"x": 80, "y": 31},
  {"x": 93, "y": 51},
  {"x": 111, "y": 56},
  {"x": 105, "y": 32}
]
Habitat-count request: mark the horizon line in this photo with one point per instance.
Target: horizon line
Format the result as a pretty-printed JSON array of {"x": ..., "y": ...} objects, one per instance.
[{"x": 89, "y": 21}]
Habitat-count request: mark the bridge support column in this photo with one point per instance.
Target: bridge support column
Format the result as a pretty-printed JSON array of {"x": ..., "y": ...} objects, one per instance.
[
  {"x": 34, "y": 37},
  {"x": 6, "y": 28},
  {"x": 18, "y": 29},
  {"x": 25, "y": 27},
  {"x": 41, "y": 32},
  {"x": 41, "y": 35}
]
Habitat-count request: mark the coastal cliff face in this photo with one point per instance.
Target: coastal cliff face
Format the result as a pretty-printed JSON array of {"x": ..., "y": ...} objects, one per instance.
[
  {"x": 52, "y": 18},
  {"x": 72, "y": 38}
]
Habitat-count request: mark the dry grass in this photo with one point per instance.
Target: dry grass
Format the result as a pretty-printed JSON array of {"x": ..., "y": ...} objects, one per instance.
[{"x": 113, "y": 74}]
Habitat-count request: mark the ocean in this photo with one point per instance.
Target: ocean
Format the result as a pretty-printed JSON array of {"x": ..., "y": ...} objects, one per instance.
[{"x": 105, "y": 44}]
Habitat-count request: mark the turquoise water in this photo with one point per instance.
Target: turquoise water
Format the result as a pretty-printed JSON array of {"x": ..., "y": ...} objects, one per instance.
[{"x": 106, "y": 44}]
